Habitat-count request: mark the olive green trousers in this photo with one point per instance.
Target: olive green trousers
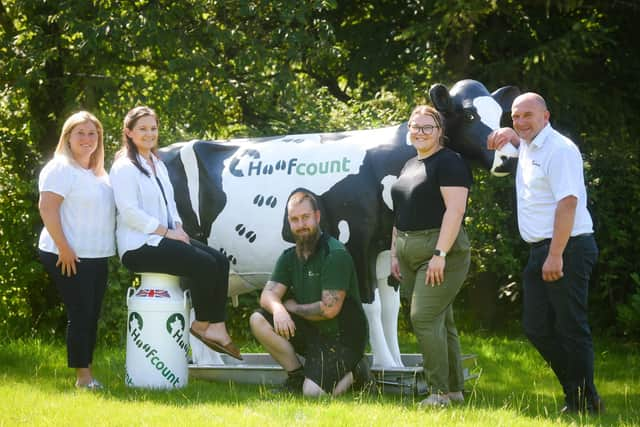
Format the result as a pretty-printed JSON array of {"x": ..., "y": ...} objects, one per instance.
[{"x": 432, "y": 306}]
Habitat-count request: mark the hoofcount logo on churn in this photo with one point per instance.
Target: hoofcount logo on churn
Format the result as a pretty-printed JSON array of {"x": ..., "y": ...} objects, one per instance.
[{"x": 175, "y": 326}]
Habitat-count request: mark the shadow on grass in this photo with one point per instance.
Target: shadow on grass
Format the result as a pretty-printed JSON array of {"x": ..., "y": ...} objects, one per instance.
[{"x": 513, "y": 378}]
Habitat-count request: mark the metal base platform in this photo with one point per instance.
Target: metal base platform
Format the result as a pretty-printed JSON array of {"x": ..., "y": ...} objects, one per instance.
[{"x": 260, "y": 368}]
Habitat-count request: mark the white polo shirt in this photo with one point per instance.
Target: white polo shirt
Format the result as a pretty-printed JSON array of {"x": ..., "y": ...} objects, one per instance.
[
  {"x": 549, "y": 169},
  {"x": 87, "y": 213},
  {"x": 140, "y": 204}
]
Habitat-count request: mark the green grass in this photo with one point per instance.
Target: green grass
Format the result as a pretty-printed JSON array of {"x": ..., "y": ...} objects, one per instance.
[{"x": 515, "y": 389}]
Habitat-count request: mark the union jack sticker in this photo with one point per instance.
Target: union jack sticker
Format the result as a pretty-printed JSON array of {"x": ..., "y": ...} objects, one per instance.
[{"x": 153, "y": 293}]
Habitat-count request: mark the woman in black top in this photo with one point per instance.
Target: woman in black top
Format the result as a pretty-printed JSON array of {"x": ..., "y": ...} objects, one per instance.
[{"x": 430, "y": 250}]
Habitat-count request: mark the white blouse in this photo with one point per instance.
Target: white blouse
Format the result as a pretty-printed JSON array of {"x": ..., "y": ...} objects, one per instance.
[
  {"x": 87, "y": 212},
  {"x": 140, "y": 205}
]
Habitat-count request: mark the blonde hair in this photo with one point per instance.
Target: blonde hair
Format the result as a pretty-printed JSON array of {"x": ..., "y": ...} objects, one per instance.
[{"x": 96, "y": 161}]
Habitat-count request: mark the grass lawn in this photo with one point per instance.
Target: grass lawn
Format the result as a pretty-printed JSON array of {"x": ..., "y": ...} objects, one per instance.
[{"x": 515, "y": 388}]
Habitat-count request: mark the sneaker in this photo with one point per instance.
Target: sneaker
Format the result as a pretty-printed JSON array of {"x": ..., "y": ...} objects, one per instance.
[
  {"x": 363, "y": 379},
  {"x": 435, "y": 400},
  {"x": 91, "y": 385},
  {"x": 456, "y": 396},
  {"x": 292, "y": 385}
]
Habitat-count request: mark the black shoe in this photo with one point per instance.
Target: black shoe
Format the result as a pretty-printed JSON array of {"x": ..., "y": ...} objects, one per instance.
[
  {"x": 593, "y": 406},
  {"x": 363, "y": 379},
  {"x": 292, "y": 385},
  {"x": 596, "y": 406},
  {"x": 568, "y": 410}
]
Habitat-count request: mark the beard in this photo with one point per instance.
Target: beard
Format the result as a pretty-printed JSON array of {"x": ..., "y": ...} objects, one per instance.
[{"x": 306, "y": 243}]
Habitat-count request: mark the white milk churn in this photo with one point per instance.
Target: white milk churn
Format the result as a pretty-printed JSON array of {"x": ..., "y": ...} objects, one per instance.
[{"x": 157, "y": 333}]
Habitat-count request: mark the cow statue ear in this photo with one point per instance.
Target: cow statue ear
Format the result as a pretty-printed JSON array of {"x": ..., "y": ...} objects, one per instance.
[
  {"x": 505, "y": 95},
  {"x": 440, "y": 98}
]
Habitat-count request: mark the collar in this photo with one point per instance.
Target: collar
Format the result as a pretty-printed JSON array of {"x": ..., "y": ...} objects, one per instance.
[
  {"x": 144, "y": 163},
  {"x": 541, "y": 137}
]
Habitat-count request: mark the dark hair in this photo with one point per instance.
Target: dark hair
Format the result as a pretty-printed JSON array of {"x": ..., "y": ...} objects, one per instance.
[
  {"x": 128, "y": 147},
  {"x": 300, "y": 196}
]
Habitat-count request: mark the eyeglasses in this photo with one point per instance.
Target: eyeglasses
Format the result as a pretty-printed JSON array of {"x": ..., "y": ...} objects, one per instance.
[{"x": 426, "y": 129}]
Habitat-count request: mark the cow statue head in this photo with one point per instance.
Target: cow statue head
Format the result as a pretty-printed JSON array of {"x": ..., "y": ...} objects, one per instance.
[{"x": 470, "y": 114}]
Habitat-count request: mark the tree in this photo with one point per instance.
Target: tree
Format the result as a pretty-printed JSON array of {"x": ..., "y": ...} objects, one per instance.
[{"x": 215, "y": 69}]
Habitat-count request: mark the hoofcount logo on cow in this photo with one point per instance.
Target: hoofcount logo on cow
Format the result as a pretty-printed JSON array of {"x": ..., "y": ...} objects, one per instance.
[{"x": 292, "y": 166}]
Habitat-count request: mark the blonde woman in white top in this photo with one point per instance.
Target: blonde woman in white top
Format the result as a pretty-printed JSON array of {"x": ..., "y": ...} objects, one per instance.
[
  {"x": 78, "y": 211},
  {"x": 150, "y": 235}
]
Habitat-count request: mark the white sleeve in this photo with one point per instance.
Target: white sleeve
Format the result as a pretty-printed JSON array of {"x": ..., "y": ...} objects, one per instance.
[
  {"x": 124, "y": 180},
  {"x": 56, "y": 177},
  {"x": 566, "y": 176}
]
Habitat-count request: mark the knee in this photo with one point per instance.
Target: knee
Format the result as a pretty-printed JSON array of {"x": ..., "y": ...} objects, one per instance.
[
  {"x": 258, "y": 323},
  {"x": 424, "y": 321}
]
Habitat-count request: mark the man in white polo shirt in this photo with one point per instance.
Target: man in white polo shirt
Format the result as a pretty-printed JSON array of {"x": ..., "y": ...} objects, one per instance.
[{"x": 554, "y": 220}]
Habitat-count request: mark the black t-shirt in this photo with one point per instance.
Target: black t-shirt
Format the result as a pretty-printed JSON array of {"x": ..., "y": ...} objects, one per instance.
[{"x": 417, "y": 201}]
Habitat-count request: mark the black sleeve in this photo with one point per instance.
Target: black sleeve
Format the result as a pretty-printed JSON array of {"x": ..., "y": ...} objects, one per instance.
[{"x": 453, "y": 171}]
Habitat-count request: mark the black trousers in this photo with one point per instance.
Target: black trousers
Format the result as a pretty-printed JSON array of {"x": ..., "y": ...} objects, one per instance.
[
  {"x": 205, "y": 272},
  {"x": 555, "y": 316},
  {"x": 82, "y": 296}
]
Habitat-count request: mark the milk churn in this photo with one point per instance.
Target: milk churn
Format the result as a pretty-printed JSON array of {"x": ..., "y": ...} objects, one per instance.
[{"x": 157, "y": 333}]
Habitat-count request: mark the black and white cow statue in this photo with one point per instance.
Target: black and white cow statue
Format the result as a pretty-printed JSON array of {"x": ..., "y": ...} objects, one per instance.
[{"x": 232, "y": 195}]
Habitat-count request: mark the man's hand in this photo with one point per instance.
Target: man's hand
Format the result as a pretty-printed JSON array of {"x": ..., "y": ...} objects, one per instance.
[
  {"x": 552, "y": 268},
  {"x": 501, "y": 137},
  {"x": 282, "y": 323}
]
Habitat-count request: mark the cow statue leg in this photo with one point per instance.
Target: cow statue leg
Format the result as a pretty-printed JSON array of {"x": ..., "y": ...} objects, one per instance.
[
  {"x": 382, "y": 315},
  {"x": 390, "y": 300},
  {"x": 200, "y": 353}
]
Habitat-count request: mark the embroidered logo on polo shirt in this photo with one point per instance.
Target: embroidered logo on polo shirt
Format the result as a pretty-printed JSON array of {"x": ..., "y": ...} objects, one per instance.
[
  {"x": 534, "y": 163},
  {"x": 313, "y": 274}
]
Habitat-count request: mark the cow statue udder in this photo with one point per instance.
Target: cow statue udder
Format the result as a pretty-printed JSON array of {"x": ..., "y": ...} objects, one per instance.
[{"x": 232, "y": 195}]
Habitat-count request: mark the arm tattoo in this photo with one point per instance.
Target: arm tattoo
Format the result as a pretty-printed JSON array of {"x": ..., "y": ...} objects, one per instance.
[
  {"x": 309, "y": 310},
  {"x": 330, "y": 298},
  {"x": 319, "y": 310}
]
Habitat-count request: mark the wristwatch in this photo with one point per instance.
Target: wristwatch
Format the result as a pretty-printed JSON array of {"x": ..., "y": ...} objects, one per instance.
[{"x": 438, "y": 252}]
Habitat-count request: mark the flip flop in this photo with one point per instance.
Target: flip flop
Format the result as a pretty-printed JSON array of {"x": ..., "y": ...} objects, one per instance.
[{"x": 229, "y": 349}]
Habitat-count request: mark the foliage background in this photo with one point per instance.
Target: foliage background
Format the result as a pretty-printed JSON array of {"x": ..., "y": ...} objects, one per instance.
[{"x": 219, "y": 69}]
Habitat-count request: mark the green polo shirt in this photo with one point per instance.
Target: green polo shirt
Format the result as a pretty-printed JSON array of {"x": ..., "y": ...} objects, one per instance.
[{"x": 330, "y": 267}]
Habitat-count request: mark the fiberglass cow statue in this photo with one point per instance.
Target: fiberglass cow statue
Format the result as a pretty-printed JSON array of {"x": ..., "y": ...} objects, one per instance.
[{"x": 232, "y": 194}]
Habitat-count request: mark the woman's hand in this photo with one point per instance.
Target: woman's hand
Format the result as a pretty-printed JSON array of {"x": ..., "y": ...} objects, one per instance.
[
  {"x": 395, "y": 268},
  {"x": 67, "y": 259},
  {"x": 178, "y": 234},
  {"x": 435, "y": 271}
]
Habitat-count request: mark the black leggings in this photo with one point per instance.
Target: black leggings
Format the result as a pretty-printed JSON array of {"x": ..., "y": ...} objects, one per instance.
[
  {"x": 205, "y": 272},
  {"x": 82, "y": 296}
]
